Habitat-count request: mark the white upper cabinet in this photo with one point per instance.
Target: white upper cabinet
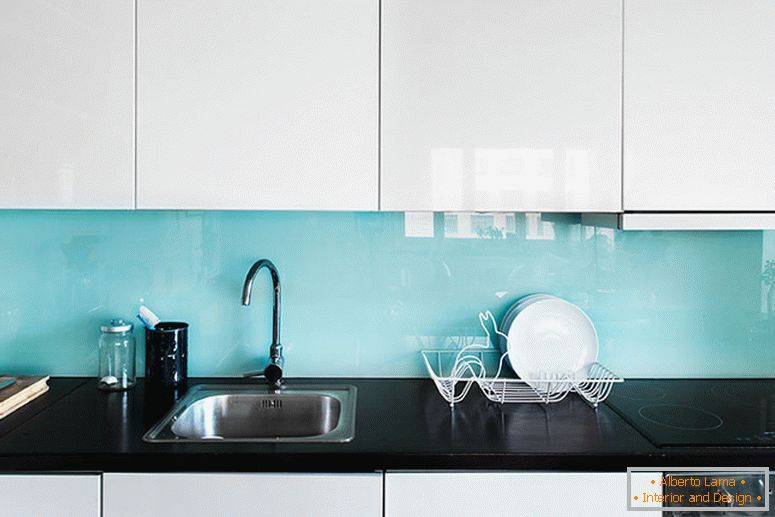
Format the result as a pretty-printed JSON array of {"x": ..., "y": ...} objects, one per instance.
[
  {"x": 66, "y": 104},
  {"x": 699, "y": 105},
  {"x": 508, "y": 105},
  {"x": 245, "y": 104}
]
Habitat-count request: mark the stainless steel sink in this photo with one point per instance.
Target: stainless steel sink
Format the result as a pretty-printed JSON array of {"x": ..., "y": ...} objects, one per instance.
[{"x": 245, "y": 413}]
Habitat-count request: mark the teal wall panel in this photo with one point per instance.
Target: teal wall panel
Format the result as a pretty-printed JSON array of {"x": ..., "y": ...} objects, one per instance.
[{"x": 364, "y": 292}]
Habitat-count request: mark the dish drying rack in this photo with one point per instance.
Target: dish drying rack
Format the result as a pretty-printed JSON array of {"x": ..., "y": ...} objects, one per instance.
[{"x": 456, "y": 371}]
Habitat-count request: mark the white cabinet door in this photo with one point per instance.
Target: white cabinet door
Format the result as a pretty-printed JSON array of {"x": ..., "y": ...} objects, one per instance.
[
  {"x": 246, "y": 495},
  {"x": 245, "y": 104},
  {"x": 67, "y": 104},
  {"x": 699, "y": 109},
  {"x": 463, "y": 494},
  {"x": 50, "y": 496},
  {"x": 501, "y": 105}
]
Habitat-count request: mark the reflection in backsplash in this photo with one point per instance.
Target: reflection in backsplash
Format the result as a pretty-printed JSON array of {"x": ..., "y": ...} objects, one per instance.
[{"x": 363, "y": 292}]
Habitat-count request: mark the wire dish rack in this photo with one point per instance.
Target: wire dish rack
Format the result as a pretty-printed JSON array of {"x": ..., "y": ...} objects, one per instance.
[
  {"x": 454, "y": 386},
  {"x": 456, "y": 371}
]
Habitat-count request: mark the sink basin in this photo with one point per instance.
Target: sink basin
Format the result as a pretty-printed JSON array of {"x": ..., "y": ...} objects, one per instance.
[{"x": 245, "y": 413}]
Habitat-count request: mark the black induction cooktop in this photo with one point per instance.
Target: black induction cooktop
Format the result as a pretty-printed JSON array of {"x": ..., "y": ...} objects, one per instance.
[{"x": 699, "y": 412}]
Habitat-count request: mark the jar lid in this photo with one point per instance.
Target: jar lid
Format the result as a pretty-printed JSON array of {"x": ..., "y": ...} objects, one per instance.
[{"x": 116, "y": 326}]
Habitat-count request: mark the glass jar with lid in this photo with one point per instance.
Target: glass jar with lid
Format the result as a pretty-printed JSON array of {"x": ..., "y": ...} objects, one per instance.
[{"x": 117, "y": 356}]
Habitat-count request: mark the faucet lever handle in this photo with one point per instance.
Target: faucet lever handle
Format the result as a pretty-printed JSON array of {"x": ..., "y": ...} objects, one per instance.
[{"x": 273, "y": 373}]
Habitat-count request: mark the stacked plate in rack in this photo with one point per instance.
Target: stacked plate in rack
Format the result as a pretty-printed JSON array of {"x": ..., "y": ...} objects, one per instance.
[{"x": 548, "y": 339}]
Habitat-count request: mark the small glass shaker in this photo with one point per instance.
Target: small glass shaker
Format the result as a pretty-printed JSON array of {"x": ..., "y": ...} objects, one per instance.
[{"x": 117, "y": 356}]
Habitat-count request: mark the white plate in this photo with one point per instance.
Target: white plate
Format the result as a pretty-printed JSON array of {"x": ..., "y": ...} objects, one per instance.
[
  {"x": 550, "y": 338},
  {"x": 508, "y": 318},
  {"x": 519, "y": 305},
  {"x": 527, "y": 300}
]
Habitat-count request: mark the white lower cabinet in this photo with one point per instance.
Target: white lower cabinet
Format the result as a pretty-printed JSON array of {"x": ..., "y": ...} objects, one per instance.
[
  {"x": 50, "y": 495},
  {"x": 452, "y": 494},
  {"x": 403, "y": 494},
  {"x": 246, "y": 495}
]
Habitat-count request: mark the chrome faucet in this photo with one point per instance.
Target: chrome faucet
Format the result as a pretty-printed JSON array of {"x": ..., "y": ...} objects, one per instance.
[{"x": 274, "y": 370}]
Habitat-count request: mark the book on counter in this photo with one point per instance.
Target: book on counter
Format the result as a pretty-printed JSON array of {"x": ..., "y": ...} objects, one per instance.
[{"x": 25, "y": 389}]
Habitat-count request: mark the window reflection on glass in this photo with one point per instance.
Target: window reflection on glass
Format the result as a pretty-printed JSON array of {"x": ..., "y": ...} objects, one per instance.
[
  {"x": 527, "y": 171},
  {"x": 511, "y": 224},
  {"x": 537, "y": 229},
  {"x": 515, "y": 175},
  {"x": 768, "y": 274},
  {"x": 485, "y": 225},
  {"x": 418, "y": 224},
  {"x": 464, "y": 225},
  {"x": 450, "y": 224},
  {"x": 577, "y": 177},
  {"x": 482, "y": 224},
  {"x": 447, "y": 177},
  {"x": 596, "y": 231}
]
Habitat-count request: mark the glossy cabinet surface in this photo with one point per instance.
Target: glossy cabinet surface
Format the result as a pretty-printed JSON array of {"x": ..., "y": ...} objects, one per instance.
[
  {"x": 699, "y": 109},
  {"x": 518, "y": 494},
  {"x": 50, "y": 495},
  {"x": 214, "y": 495},
  {"x": 508, "y": 105},
  {"x": 67, "y": 104},
  {"x": 257, "y": 105}
]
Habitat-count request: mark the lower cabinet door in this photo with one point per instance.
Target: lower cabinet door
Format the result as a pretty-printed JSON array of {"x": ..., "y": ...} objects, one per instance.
[
  {"x": 516, "y": 494},
  {"x": 244, "y": 495},
  {"x": 50, "y": 496}
]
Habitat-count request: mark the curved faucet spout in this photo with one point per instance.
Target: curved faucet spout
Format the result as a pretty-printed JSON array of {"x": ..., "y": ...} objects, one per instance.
[{"x": 273, "y": 371}]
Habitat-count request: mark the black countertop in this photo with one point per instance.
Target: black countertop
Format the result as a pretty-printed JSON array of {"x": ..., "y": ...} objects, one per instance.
[
  {"x": 58, "y": 388},
  {"x": 401, "y": 424}
]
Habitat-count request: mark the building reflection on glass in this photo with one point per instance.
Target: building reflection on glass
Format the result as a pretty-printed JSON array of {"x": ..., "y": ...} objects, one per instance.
[
  {"x": 476, "y": 225},
  {"x": 447, "y": 177},
  {"x": 511, "y": 176},
  {"x": 526, "y": 172},
  {"x": 479, "y": 225},
  {"x": 768, "y": 274}
]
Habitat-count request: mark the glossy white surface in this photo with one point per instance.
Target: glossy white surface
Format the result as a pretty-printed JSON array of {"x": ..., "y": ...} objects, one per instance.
[
  {"x": 517, "y": 494},
  {"x": 508, "y": 105},
  {"x": 228, "y": 495},
  {"x": 682, "y": 221},
  {"x": 50, "y": 495},
  {"x": 257, "y": 105},
  {"x": 66, "y": 99},
  {"x": 699, "y": 109}
]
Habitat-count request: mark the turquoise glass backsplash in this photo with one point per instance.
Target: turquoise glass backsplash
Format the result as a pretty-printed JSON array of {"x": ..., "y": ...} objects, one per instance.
[{"x": 364, "y": 292}]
